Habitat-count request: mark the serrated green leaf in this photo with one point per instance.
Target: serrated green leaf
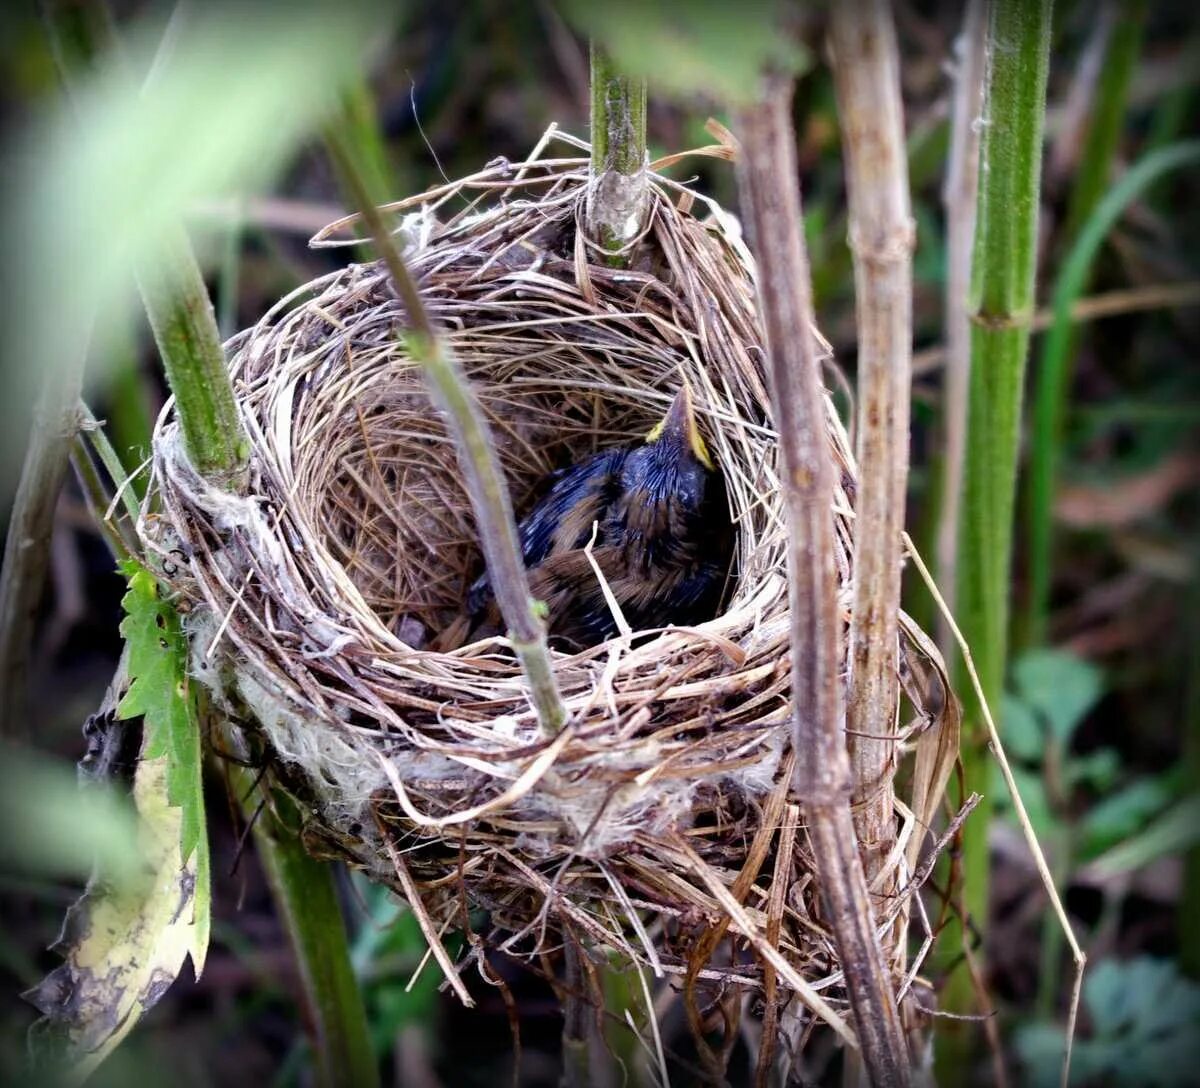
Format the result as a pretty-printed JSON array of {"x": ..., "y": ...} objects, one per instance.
[
  {"x": 159, "y": 691},
  {"x": 1060, "y": 687}
]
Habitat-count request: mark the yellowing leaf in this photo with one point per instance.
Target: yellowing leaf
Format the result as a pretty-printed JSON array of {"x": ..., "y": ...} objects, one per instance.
[{"x": 127, "y": 941}]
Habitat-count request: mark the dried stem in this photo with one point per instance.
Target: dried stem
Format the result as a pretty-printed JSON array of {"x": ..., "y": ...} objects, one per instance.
[
  {"x": 959, "y": 197},
  {"x": 490, "y": 500},
  {"x": 617, "y": 192},
  {"x": 771, "y": 201},
  {"x": 27, "y": 547},
  {"x": 866, "y": 71}
]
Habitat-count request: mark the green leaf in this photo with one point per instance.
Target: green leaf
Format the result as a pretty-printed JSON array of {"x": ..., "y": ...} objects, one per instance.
[
  {"x": 1098, "y": 769},
  {"x": 1024, "y": 736},
  {"x": 715, "y": 49},
  {"x": 128, "y": 940},
  {"x": 1117, "y": 817},
  {"x": 159, "y": 692},
  {"x": 1175, "y": 830},
  {"x": 1061, "y": 687}
]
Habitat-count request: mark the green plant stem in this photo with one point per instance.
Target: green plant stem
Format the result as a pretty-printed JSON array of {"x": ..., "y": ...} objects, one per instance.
[
  {"x": 306, "y": 900},
  {"x": 619, "y": 184},
  {"x": 189, "y": 343},
  {"x": 1054, "y": 374},
  {"x": 1001, "y": 306},
  {"x": 490, "y": 500}
]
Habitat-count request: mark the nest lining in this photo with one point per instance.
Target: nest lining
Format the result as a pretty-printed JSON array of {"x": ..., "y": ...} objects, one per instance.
[{"x": 314, "y": 596}]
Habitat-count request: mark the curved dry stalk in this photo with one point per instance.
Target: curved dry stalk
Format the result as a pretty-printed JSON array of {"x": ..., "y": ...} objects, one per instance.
[
  {"x": 489, "y": 493},
  {"x": 866, "y": 71},
  {"x": 767, "y": 180}
]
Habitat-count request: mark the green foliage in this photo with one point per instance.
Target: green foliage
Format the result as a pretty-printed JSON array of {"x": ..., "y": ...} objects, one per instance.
[
  {"x": 50, "y": 827},
  {"x": 159, "y": 692},
  {"x": 1059, "y": 688},
  {"x": 702, "y": 48},
  {"x": 102, "y": 181},
  {"x": 1145, "y": 1030}
]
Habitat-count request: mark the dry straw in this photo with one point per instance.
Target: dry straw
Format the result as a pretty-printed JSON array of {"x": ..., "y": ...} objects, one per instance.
[{"x": 652, "y": 824}]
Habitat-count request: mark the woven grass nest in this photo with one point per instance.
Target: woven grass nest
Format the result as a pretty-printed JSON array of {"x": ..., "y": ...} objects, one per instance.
[{"x": 315, "y": 596}]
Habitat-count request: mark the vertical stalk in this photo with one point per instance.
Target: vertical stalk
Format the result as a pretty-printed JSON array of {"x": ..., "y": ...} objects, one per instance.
[
  {"x": 1002, "y": 302},
  {"x": 866, "y": 71},
  {"x": 189, "y": 343},
  {"x": 490, "y": 500},
  {"x": 30, "y": 527},
  {"x": 959, "y": 196},
  {"x": 305, "y": 896},
  {"x": 618, "y": 189},
  {"x": 1054, "y": 375},
  {"x": 771, "y": 204}
]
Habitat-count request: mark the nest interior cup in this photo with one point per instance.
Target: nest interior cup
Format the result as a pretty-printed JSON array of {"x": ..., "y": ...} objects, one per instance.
[{"x": 316, "y": 594}]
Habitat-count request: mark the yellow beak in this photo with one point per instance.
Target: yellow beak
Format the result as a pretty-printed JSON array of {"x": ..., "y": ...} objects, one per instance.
[{"x": 679, "y": 424}]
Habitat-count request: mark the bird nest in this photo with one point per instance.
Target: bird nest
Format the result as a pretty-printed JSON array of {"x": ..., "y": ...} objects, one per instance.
[{"x": 653, "y": 821}]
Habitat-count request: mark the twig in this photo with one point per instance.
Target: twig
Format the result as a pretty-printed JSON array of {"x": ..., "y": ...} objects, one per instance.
[
  {"x": 1116, "y": 303},
  {"x": 959, "y": 197},
  {"x": 490, "y": 500},
  {"x": 27, "y": 546},
  {"x": 617, "y": 190},
  {"x": 767, "y": 181},
  {"x": 866, "y": 72}
]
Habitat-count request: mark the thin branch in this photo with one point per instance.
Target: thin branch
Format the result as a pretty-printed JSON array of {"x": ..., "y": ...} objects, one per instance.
[
  {"x": 619, "y": 186},
  {"x": 771, "y": 201},
  {"x": 27, "y": 546},
  {"x": 490, "y": 500},
  {"x": 959, "y": 197},
  {"x": 866, "y": 71}
]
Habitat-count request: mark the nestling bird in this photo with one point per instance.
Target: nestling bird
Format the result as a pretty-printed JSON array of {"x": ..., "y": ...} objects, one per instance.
[{"x": 663, "y": 538}]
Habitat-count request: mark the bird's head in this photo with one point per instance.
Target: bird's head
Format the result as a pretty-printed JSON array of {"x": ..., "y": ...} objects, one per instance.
[{"x": 677, "y": 435}]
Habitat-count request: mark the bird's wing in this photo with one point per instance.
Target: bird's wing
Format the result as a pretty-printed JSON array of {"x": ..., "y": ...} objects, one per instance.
[{"x": 563, "y": 520}]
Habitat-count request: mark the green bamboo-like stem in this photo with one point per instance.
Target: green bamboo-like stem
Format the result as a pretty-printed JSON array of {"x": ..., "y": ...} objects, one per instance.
[
  {"x": 1091, "y": 180},
  {"x": 618, "y": 189},
  {"x": 771, "y": 205},
  {"x": 189, "y": 344},
  {"x": 490, "y": 500},
  {"x": 306, "y": 899},
  {"x": 866, "y": 68},
  {"x": 1002, "y": 304}
]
